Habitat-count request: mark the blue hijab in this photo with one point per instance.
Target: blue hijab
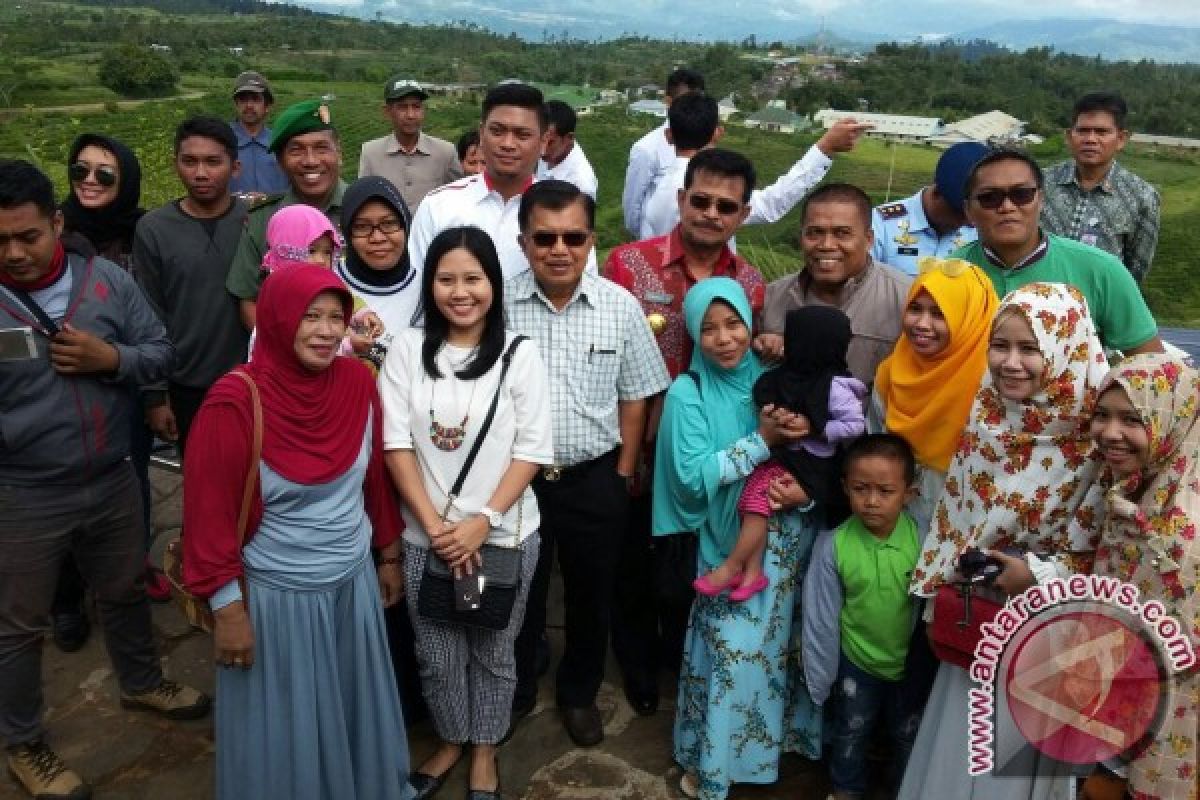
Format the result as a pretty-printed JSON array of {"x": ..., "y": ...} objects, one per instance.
[{"x": 701, "y": 418}]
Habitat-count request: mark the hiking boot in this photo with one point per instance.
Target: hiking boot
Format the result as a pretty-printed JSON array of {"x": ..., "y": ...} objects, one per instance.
[
  {"x": 171, "y": 699},
  {"x": 43, "y": 774}
]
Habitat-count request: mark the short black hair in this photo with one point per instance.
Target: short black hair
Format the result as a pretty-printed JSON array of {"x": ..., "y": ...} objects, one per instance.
[
  {"x": 554, "y": 195},
  {"x": 521, "y": 95},
  {"x": 725, "y": 163},
  {"x": 21, "y": 182},
  {"x": 1110, "y": 102},
  {"x": 209, "y": 127},
  {"x": 839, "y": 193},
  {"x": 561, "y": 116},
  {"x": 884, "y": 445},
  {"x": 465, "y": 142},
  {"x": 690, "y": 79},
  {"x": 995, "y": 156},
  {"x": 693, "y": 120}
]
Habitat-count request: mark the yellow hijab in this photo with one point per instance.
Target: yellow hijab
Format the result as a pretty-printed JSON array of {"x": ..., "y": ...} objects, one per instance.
[{"x": 928, "y": 400}]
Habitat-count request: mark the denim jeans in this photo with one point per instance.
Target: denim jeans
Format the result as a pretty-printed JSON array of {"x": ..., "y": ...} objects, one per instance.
[
  {"x": 858, "y": 700},
  {"x": 100, "y": 524}
]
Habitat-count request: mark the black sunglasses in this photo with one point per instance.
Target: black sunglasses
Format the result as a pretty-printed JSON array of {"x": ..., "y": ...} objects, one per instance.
[
  {"x": 991, "y": 199},
  {"x": 105, "y": 176},
  {"x": 549, "y": 239},
  {"x": 702, "y": 202}
]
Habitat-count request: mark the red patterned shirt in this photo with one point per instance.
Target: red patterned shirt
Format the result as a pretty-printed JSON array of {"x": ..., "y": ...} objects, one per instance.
[{"x": 654, "y": 272}]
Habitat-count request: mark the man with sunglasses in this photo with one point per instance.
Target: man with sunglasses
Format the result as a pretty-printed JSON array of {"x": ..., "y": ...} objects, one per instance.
[
  {"x": 603, "y": 364},
  {"x": 310, "y": 153},
  {"x": 1004, "y": 202},
  {"x": 658, "y": 272},
  {"x": 415, "y": 162},
  {"x": 695, "y": 125},
  {"x": 1095, "y": 200},
  {"x": 511, "y": 133}
]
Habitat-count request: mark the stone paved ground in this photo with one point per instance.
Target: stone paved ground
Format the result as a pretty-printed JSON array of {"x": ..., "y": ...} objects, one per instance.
[{"x": 132, "y": 756}]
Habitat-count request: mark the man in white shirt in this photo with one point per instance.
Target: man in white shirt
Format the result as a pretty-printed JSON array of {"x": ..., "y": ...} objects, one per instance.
[
  {"x": 694, "y": 124},
  {"x": 652, "y": 155},
  {"x": 510, "y": 136},
  {"x": 562, "y": 157}
]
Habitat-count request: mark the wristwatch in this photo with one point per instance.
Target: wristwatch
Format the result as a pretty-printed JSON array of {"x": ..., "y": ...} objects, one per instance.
[{"x": 495, "y": 518}]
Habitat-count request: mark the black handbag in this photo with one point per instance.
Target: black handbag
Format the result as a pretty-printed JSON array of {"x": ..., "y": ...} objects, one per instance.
[{"x": 501, "y": 565}]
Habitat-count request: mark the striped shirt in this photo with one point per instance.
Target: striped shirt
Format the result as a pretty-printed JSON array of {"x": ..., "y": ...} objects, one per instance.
[{"x": 599, "y": 351}]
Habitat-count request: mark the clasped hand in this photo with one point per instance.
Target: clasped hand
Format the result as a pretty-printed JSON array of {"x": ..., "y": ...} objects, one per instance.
[{"x": 458, "y": 543}]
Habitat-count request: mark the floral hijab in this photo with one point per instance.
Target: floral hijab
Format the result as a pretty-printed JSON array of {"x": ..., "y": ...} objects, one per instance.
[
  {"x": 1023, "y": 473},
  {"x": 1149, "y": 539}
]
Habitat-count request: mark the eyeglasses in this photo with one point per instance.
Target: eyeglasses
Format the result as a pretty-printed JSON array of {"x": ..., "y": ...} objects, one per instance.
[
  {"x": 363, "y": 230},
  {"x": 1021, "y": 196},
  {"x": 702, "y": 202},
  {"x": 105, "y": 176},
  {"x": 549, "y": 239}
]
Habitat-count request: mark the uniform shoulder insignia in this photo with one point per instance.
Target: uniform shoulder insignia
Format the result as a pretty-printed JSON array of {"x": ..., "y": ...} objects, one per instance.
[
  {"x": 893, "y": 210},
  {"x": 264, "y": 201}
]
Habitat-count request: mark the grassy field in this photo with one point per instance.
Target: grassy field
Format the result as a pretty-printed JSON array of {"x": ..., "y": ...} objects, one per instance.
[{"x": 883, "y": 171}]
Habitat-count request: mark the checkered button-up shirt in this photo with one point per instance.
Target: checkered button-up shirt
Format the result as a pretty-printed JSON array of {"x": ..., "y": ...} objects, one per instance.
[
  {"x": 599, "y": 351},
  {"x": 1119, "y": 215}
]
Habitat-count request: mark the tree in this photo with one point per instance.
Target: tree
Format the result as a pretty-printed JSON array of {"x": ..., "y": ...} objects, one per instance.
[{"x": 137, "y": 71}]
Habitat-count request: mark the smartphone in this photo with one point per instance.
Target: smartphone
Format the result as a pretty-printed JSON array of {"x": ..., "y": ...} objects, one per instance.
[
  {"x": 17, "y": 344},
  {"x": 467, "y": 594}
]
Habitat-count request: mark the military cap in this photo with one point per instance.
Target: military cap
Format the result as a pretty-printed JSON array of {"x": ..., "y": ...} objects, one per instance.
[{"x": 300, "y": 118}]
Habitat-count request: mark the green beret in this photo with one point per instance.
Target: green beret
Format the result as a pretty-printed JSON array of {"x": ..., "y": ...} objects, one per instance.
[{"x": 301, "y": 118}]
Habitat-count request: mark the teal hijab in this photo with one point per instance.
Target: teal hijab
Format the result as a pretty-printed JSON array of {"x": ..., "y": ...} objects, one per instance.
[{"x": 701, "y": 418}]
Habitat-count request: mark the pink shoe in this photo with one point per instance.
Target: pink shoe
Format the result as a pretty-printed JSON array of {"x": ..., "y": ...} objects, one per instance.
[
  {"x": 709, "y": 589},
  {"x": 748, "y": 590}
]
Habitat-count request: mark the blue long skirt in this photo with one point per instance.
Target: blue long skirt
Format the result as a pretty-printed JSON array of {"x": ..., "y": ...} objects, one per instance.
[
  {"x": 742, "y": 699},
  {"x": 318, "y": 716}
]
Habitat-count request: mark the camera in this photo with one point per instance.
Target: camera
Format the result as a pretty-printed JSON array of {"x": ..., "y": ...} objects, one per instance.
[{"x": 978, "y": 567}]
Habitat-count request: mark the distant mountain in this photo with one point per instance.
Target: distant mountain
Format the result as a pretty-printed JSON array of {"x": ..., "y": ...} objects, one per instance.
[
  {"x": 781, "y": 20},
  {"x": 1109, "y": 39}
]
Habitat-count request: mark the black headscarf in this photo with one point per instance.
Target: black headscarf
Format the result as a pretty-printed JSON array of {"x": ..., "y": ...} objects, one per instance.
[
  {"x": 815, "y": 339},
  {"x": 114, "y": 223},
  {"x": 357, "y": 195}
]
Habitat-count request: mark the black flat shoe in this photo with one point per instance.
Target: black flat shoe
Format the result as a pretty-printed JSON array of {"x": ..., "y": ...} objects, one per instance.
[
  {"x": 426, "y": 785},
  {"x": 584, "y": 725}
]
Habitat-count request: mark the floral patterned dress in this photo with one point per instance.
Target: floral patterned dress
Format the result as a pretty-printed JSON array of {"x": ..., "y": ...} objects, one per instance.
[{"x": 1151, "y": 542}]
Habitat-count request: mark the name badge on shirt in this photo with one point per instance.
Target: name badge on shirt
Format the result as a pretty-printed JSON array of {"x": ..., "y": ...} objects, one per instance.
[
  {"x": 662, "y": 298},
  {"x": 907, "y": 251}
]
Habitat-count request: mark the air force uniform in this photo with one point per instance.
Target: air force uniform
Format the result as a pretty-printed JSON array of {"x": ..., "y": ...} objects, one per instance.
[{"x": 903, "y": 234}]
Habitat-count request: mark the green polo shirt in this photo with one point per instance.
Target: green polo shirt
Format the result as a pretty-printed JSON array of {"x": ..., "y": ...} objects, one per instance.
[
  {"x": 876, "y": 621},
  {"x": 245, "y": 273},
  {"x": 1122, "y": 317}
]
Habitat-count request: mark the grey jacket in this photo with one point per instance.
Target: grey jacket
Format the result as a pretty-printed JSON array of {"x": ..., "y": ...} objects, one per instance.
[{"x": 60, "y": 429}]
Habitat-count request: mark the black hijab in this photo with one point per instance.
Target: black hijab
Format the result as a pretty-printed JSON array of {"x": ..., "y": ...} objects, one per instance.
[
  {"x": 357, "y": 195},
  {"x": 114, "y": 223},
  {"x": 815, "y": 339}
]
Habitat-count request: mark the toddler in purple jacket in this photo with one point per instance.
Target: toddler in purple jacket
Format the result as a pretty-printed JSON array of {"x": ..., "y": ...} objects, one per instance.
[{"x": 815, "y": 382}]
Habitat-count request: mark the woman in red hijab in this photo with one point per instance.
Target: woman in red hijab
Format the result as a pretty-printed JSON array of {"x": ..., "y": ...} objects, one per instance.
[{"x": 307, "y": 701}]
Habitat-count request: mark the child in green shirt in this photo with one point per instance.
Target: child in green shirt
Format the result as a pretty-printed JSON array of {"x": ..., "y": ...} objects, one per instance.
[{"x": 858, "y": 615}]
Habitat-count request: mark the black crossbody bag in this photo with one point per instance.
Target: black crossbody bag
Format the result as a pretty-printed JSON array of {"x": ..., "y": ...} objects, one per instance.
[{"x": 501, "y": 565}]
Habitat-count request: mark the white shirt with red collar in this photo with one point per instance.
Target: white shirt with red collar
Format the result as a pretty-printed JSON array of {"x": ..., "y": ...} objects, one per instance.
[{"x": 473, "y": 201}]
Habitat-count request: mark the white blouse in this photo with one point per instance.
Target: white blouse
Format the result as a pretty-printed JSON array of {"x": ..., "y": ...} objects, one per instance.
[{"x": 520, "y": 429}]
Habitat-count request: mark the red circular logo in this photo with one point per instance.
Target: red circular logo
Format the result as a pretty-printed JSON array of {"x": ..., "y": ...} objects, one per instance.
[{"x": 1084, "y": 686}]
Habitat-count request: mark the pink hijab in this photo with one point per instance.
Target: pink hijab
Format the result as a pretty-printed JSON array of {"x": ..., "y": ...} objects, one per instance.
[{"x": 291, "y": 231}]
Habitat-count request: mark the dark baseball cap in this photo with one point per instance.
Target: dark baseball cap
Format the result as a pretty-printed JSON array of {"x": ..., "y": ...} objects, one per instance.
[
  {"x": 399, "y": 86},
  {"x": 252, "y": 82},
  {"x": 953, "y": 169}
]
